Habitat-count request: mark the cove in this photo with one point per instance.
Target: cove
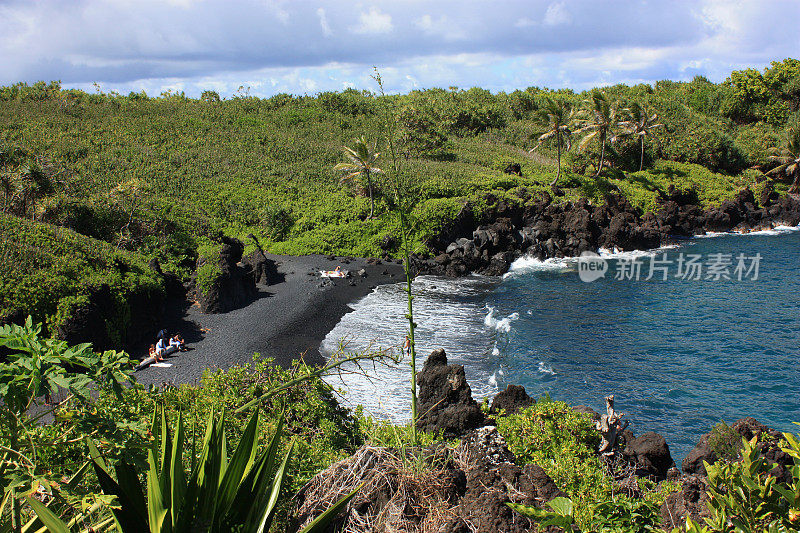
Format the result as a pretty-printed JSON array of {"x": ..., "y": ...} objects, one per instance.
[{"x": 679, "y": 354}]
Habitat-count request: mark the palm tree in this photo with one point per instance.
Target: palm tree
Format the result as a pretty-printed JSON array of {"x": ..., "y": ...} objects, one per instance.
[
  {"x": 600, "y": 125},
  {"x": 788, "y": 158},
  {"x": 559, "y": 117},
  {"x": 362, "y": 164},
  {"x": 641, "y": 123}
]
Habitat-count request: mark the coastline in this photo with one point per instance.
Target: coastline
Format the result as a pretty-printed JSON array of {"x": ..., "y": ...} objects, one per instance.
[{"x": 286, "y": 321}]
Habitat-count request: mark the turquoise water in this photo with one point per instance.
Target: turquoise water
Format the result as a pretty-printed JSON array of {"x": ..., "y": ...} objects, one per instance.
[{"x": 679, "y": 355}]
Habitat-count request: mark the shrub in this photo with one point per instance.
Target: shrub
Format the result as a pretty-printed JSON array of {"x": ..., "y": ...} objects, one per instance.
[
  {"x": 744, "y": 496},
  {"x": 725, "y": 442},
  {"x": 562, "y": 442},
  {"x": 208, "y": 274}
]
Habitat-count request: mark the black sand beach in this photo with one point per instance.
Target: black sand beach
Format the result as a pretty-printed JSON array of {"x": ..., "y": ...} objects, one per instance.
[{"x": 286, "y": 321}]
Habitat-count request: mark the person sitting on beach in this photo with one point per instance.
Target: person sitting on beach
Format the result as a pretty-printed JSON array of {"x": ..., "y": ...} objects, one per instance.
[
  {"x": 152, "y": 353},
  {"x": 161, "y": 348},
  {"x": 177, "y": 342}
]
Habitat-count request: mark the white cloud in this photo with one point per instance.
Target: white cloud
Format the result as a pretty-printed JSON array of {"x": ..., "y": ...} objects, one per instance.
[
  {"x": 425, "y": 23},
  {"x": 621, "y": 59},
  {"x": 525, "y": 22},
  {"x": 154, "y": 44},
  {"x": 557, "y": 15},
  {"x": 442, "y": 27},
  {"x": 278, "y": 9},
  {"x": 374, "y": 22},
  {"x": 323, "y": 23}
]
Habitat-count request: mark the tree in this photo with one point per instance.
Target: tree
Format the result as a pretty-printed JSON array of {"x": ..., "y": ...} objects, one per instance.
[
  {"x": 37, "y": 367},
  {"x": 129, "y": 195},
  {"x": 788, "y": 159},
  {"x": 362, "y": 158},
  {"x": 559, "y": 116},
  {"x": 641, "y": 123},
  {"x": 600, "y": 125},
  {"x": 420, "y": 131}
]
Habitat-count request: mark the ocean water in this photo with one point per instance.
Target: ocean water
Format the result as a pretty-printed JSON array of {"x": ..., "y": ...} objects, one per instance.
[{"x": 678, "y": 354}]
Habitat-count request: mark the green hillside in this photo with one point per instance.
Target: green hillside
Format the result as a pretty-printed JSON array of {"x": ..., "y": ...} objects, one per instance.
[{"x": 94, "y": 181}]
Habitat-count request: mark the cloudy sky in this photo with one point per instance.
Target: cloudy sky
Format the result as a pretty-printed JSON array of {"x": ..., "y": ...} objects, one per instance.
[{"x": 299, "y": 46}]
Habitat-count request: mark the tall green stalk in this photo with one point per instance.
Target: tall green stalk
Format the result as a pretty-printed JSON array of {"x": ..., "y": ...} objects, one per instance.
[
  {"x": 405, "y": 228},
  {"x": 403, "y": 204},
  {"x": 16, "y": 514}
]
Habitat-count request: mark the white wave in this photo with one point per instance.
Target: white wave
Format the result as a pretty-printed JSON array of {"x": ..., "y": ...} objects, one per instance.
[
  {"x": 528, "y": 264},
  {"x": 712, "y": 234},
  {"x": 777, "y": 230},
  {"x": 495, "y": 378},
  {"x": 616, "y": 253},
  {"x": 532, "y": 264},
  {"x": 502, "y": 325},
  {"x": 780, "y": 229},
  {"x": 544, "y": 368},
  {"x": 450, "y": 315},
  {"x": 495, "y": 350}
]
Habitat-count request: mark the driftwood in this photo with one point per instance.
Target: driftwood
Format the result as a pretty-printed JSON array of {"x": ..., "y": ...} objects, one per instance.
[{"x": 610, "y": 426}]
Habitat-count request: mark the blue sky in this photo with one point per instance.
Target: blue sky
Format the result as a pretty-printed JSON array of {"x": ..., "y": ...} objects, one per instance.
[{"x": 299, "y": 47}]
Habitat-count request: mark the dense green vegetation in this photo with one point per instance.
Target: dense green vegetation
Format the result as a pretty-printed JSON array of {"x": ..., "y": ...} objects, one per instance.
[
  {"x": 563, "y": 443},
  {"x": 131, "y": 177},
  {"x": 126, "y": 431},
  {"x": 184, "y": 456}
]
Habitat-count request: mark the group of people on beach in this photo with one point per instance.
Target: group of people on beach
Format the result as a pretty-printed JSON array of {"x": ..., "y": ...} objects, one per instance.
[{"x": 166, "y": 345}]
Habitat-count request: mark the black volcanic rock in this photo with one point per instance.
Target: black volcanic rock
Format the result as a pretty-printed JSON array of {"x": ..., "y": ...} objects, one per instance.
[
  {"x": 542, "y": 229},
  {"x": 747, "y": 428},
  {"x": 650, "y": 454},
  {"x": 234, "y": 287},
  {"x": 511, "y": 400},
  {"x": 445, "y": 398},
  {"x": 691, "y": 500}
]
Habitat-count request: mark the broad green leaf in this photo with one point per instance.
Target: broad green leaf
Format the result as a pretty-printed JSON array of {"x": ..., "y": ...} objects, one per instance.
[
  {"x": 323, "y": 521},
  {"x": 53, "y": 523},
  {"x": 561, "y": 505},
  {"x": 177, "y": 474},
  {"x": 275, "y": 491},
  {"x": 240, "y": 464},
  {"x": 156, "y": 510}
]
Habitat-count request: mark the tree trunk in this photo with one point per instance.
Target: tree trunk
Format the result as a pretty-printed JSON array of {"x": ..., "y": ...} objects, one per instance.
[
  {"x": 795, "y": 188},
  {"x": 602, "y": 157},
  {"x": 610, "y": 426},
  {"x": 371, "y": 199},
  {"x": 558, "y": 173},
  {"x": 641, "y": 157}
]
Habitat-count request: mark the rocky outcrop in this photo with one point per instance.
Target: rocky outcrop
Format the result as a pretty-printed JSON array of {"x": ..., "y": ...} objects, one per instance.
[
  {"x": 100, "y": 321},
  {"x": 537, "y": 227},
  {"x": 492, "y": 481},
  {"x": 747, "y": 428},
  {"x": 462, "y": 490},
  {"x": 690, "y": 501},
  {"x": 263, "y": 269},
  {"x": 511, "y": 400},
  {"x": 233, "y": 284},
  {"x": 445, "y": 398},
  {"x": 649, "y": 453}
]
